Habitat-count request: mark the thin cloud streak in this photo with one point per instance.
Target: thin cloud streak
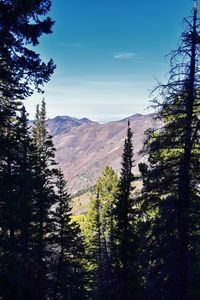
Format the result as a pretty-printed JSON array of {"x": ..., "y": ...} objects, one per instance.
[{"x": 125, "y": 55}]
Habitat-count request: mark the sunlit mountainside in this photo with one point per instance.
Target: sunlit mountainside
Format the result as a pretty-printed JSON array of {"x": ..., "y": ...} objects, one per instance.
[{"x": 85, "y": 147}]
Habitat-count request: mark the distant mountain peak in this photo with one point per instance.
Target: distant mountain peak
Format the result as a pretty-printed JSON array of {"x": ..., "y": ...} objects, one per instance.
[
  {"x": 84, "y": 148},
  {"x": 62, "y": 118},
  {"x": 74, "y": 119},
  {"x": 63, "y": 124},
  {"x": 137, "y": 116},
  {"x": 87, "y": 121}
]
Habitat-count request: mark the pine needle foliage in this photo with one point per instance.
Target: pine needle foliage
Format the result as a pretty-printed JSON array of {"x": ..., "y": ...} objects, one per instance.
[{"x": 171, "y": 181}]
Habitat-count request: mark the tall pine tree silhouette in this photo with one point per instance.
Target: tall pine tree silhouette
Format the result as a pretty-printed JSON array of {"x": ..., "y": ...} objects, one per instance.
[
  {"x": 21, "y": 71},
  {"x": 125, "y": 213},
  {"x": 171, "y": 190},
  {"x": 69, "y": 248},
  {"x": 16, "y": 218},
  {"x": 44, "y": 197}
]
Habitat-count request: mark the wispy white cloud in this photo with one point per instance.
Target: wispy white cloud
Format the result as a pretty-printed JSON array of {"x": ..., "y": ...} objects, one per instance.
[
  {"x": 125, "y": 55},
  {"x": 132, "y": 55}
]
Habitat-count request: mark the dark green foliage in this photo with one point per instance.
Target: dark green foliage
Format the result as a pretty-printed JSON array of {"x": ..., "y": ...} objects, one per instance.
[
  {"x": 28, "y": 174},
  {"x": 151, "y": 241},
  {"x": 44, "y": 197},
  {"x": 126, "y": 240},
  {"x": 171, "y": 189},
  {"x": 69, "y": 250},
  {"x": 21, "y": 69},
  {"x": 15, "y": 205},
  {"x": 24, "y": 206},
  {"x": 41, "y": 249}
]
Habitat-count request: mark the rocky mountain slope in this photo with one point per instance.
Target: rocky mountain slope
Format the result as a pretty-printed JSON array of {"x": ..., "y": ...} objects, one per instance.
[{"x": 84, "y": 147}]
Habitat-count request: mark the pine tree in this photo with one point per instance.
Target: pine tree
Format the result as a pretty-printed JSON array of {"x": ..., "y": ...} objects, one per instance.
[
  {"x": 16, "y": 279},
  {"x": 125, "y": 212},
  {"x": 99, "y": 235},
  {"x": 7, "y": 206},
  {"x": 171, "y": 190},
  {"x": 69, "y": 250},
  {"x": 93, "y": 243},
  {"x": 24, "y": 212},
  {"x": 44, "y": 197},
  {"x": 21, "y": 71},
  {"x": 107, "y": 188}
]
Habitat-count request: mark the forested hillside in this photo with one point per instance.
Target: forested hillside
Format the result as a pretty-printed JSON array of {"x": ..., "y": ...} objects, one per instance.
[{"x": 140, "y": 235}]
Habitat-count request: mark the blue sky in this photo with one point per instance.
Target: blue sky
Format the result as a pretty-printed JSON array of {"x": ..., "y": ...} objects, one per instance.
[{"x": 108, "y": 55}]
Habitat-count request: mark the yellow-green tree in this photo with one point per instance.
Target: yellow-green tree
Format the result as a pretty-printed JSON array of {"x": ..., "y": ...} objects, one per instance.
[{"x": 99, "y": 234}]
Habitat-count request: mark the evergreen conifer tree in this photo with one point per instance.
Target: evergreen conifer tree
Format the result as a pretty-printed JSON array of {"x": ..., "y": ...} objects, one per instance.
[
  {"x": 16, "y": 215},
  {"x": 24, "y": 211},
  {"x": 126, "y": 240},
  {"x": 100, "y": 235},
  {"x": 69, "y": 249},
  {"x": 171, "y": 189},
  {"x": 44, "y": 197},
  {"x": 21, "y": 71}
]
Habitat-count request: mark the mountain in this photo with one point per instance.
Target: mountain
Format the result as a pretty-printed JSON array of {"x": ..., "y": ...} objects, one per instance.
[
  {"x": 85, "y": 147},
  {"x": 63, "y": 124}
]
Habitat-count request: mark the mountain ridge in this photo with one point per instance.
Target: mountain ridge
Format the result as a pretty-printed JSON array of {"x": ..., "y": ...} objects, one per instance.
[{"x": 85, "y": 147}]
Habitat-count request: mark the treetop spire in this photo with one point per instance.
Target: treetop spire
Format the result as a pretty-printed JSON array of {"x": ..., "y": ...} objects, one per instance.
[{"x": 195, "y": 6}]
